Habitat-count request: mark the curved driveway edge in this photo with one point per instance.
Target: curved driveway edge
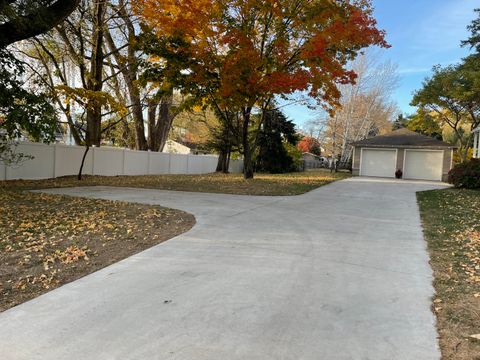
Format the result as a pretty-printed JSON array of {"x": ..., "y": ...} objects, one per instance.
[{"x": 338, "y": 273}]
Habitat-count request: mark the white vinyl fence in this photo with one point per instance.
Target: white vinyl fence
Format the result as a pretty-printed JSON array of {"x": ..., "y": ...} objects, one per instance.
[{"x": 59, "y": 160}]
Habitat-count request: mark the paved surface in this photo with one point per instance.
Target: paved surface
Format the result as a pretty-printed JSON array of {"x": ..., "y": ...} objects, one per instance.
[{"x": 338, "y": 273}]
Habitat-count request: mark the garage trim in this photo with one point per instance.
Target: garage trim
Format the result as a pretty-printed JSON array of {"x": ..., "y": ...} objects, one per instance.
[
  {"x": 377, "y": 149},
  {"x": 423, "y": 150}
]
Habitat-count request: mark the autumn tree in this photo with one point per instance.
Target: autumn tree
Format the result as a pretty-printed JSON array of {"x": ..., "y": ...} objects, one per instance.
[
  {"x": 366, "y": 107},
  {"x": 451, "y": 96},
  {"x": 424, "y": 123},
  {"x": 126, "y": 41},
  {"x": 309, "y": 144},
  {"x": 70, "y": 61},
  {"x": 240, "y": 55},
  {"x": 61, "y": 61},
  {"x": 195, "y": 127}
]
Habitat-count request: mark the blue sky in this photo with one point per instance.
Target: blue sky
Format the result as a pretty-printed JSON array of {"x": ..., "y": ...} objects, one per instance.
[{"x": 422, "y": 33}]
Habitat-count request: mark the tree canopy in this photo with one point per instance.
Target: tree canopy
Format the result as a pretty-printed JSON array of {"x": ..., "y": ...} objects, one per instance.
[
  {"x": 424, "y": 123},
  {"x": 309, "y": 144},
  {"x": 239, "y": 54},
  {"x": 474, "y": 40},
  {"x": 452, "y": 95}
]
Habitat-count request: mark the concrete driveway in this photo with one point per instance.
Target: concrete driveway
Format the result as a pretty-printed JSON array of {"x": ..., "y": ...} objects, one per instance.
[{"x": 339, "y": 273}]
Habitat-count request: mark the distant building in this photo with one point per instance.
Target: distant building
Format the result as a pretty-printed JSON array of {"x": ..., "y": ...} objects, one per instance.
[
  {"x": 312, "y": 161},
  {"x": 173, "y": 147}
]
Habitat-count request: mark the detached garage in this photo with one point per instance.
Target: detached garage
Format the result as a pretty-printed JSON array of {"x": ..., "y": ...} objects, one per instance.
[{"x": 419, "y": 157}]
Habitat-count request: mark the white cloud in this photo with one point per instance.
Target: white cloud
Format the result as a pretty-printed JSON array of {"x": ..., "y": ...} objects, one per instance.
[{"x": 413, "y": 70}]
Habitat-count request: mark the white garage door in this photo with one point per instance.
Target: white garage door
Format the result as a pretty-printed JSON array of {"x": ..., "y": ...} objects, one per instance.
[
  {"x": 379, "y": 163},
  {"x": 423, "y": 165}
]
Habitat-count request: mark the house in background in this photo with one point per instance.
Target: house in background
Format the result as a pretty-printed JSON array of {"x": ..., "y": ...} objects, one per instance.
[
  {"x": 417, "y": 156},
  {"x": 174, "y": 147},
  {"x": 312, "y": 161}
]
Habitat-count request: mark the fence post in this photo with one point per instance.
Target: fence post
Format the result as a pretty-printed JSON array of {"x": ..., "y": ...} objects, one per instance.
[
  {"x": 123, "y": 161},
  {"x": 169, "y": 163},
  {"x": 55, "y": 160},
  {"x": 93, "y": 160},
  {"x": 148, "y": 162}
]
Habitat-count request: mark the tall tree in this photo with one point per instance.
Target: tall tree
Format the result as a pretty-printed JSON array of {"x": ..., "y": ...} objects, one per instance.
[
  {"x": 94, "y": 82},
  {"x": 22, "y": 19},
  {"x": 124, "y": 43},
  {"x": 474, "y": 40},
  {"x": 424, "y": 123},
  {"x": 451, "y": 94},
  {"x": 366, "y": 107},
  {"x": 73, "y": 63},
  {"x": 276, "y": 131},
  {"x": 239, "y": 55}
]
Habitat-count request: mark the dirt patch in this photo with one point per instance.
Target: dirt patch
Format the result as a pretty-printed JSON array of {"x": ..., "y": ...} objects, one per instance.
[{"x": 49, "y": 240}]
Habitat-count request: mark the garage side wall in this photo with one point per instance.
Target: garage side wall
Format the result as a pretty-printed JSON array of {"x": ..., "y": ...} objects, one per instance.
[
  {"x": 447, "y": 163},
  {"x": 356, "y": 161}
]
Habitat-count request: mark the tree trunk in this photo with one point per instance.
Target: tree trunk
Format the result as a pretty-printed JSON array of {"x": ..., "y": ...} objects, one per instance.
[
  {"x": 164, "y": 122},
  {"x": 223, "y": 161},
  {"x": 79, "y": 176},
  {"x": 140, "y": 140},
  {"x": 152, "y": 130},
  {"x": 247, "y": 151},
  {"x": 94, "y": 109},
  {"x": 94, "y": 120}
]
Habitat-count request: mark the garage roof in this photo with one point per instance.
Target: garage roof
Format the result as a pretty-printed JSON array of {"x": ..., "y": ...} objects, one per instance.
[{"x": 403, "y": 137}]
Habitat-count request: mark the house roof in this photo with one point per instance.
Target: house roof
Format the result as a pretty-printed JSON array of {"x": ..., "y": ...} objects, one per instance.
[
  {"x": 401, "y": 138},
  {"x": 309, "y": 153}
]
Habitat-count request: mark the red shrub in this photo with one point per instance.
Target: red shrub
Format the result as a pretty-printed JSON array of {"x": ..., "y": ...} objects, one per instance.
[{"x": 466, "y": 175}]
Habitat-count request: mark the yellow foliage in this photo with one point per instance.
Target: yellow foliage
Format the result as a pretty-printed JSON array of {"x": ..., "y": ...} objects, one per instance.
[{"x": 89, "y": 99}]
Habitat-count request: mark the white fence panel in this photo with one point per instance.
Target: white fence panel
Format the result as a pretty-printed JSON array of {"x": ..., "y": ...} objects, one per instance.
[
  {"x": 201, "y": 164},
  {"x": 178, "y": 164},
  {"x": 69, "y": 158},
  {"x": 159, "y": 163},
  {"x": 236, "y": 166},
  {"x": 107, "y": 161},
  {"x": 136, "y": 162},
  {"x": 40, "y": 167},
  {"x": 61, "y": 160},
  {"x": 3, "y": 172}
]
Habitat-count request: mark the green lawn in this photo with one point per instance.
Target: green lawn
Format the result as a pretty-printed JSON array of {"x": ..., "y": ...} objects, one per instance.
[
  {"x": 451, "y": 221},
  {"x": 262, "y": 184}
]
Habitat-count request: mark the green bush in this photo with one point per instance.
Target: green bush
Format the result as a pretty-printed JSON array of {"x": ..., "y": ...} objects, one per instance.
[
  {"x": 296, "y": 156},
  {"x": 466, "y": 175}
]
